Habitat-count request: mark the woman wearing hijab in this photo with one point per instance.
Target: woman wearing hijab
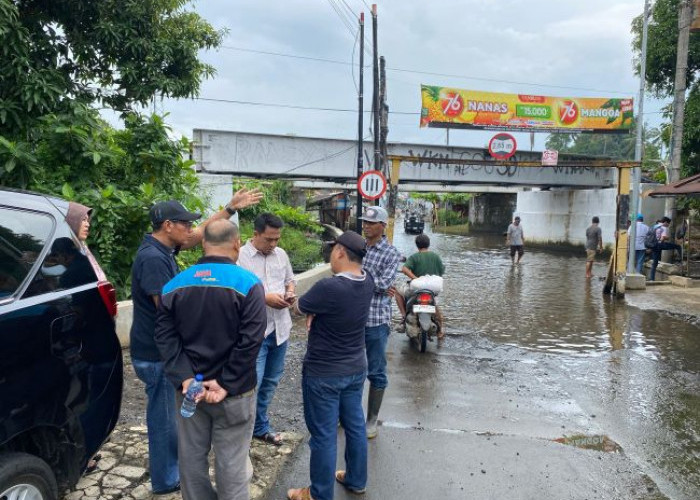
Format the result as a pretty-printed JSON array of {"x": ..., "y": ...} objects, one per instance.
[{"x": 78, "y": 218}]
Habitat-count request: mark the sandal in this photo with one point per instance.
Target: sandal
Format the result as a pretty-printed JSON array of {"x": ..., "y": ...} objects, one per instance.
[
  {"x": 299, "y": 494},
  {"x": 92, "y": 464},
  {"x": 340, "y": 477},
  {"x": 271, "y": 438}
]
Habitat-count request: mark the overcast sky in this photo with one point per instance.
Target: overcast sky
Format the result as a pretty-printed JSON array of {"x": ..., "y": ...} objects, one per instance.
[{"x": 546, "y": 47}]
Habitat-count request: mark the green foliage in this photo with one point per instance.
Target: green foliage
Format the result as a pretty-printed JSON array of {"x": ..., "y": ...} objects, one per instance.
[
  {"x": 662, "y": 49},
  {"x": 119, "y": 173},
  {"x": 456, "y": 198},
  {"x": 614, "y": 146},
  {"x": 277, "y": 200},
  {"x": 302, "y": 247},
  {"x": 450, "y": 217},
  {"x": 116, "y": 53}
]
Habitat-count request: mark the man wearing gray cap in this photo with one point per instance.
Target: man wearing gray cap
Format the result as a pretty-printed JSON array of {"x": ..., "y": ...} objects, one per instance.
[
  {"x": 153, "y": 267},
  {"x": 381, "y": 262}
]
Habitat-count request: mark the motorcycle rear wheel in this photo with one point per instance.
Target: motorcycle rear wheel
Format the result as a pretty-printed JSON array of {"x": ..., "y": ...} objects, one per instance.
[{"x": 423, "y": 340}]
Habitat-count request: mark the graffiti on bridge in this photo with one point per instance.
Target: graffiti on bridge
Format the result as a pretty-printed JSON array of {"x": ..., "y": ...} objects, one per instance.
[{"x": 436, "y": 160}]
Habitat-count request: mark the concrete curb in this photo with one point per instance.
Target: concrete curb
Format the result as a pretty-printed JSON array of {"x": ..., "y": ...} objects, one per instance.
[{"x": 125, "y": 308}]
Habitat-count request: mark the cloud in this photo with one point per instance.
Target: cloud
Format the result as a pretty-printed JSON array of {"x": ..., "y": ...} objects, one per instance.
[{"x": 514, "y": 43}]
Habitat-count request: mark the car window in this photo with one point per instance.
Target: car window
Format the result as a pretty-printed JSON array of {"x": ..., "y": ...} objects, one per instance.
[
  {"x": 22, "y": 238},
  {"x": 64, "y": 267}
]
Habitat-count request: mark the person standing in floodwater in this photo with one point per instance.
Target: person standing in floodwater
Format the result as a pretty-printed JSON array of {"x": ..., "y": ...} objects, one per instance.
[
  {"x": 516, "y": 239},
  {"x": 594, "y": 244}
]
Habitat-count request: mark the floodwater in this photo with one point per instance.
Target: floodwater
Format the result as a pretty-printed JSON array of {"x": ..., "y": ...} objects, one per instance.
[{"x": 637, "y": 372}]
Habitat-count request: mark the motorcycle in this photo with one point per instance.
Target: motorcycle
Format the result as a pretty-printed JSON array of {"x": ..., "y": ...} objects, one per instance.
[{"x": 421, "y": 310}]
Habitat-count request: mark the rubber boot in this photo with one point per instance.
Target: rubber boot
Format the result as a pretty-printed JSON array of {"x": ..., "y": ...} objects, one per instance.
[{"x": 374, "y": 402}]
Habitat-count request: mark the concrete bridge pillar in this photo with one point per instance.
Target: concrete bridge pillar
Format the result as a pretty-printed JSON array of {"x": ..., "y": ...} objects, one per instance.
[{"x": 491, "y": 212}]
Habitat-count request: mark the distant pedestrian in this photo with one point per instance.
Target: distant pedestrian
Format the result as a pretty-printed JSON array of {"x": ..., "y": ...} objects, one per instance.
[
  {"x": 640, "y": 250},
  {"x": 594, "y": 244},
  {"x": 663, "y": 239},
  {"x": 153, "y": 267},
  {"x": 381, "y": 262},
  {"x": 211, "y": 321},
  {"x": 261, "y": 256},
  {"x": 515, "y": 238},
  {"x": 334, "y": 371}
]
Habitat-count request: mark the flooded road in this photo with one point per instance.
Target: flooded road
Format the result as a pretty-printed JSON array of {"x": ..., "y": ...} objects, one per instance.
[{"x": 632, "y": 375}]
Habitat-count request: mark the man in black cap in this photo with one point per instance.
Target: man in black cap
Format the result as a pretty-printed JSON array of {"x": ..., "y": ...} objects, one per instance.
[
  {"x": 335, "y": 367},
  {"x": 153, "y": 267}
]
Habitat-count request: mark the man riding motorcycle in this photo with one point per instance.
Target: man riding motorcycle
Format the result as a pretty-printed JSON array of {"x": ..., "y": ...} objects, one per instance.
[{"x": 422, "y": 263}]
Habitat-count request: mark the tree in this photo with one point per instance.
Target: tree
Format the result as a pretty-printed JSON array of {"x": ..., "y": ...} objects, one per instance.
[
  {"x": 615, "y": 146},
  {"x": 660, "y": 74},
  {"x": 115, "y": 53}
]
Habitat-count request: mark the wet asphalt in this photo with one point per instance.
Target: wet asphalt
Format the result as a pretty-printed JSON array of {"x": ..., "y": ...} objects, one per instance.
[{"x": 543, "y": 389}]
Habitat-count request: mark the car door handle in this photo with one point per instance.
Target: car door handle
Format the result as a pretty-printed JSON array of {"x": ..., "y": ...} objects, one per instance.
[{"x": 65, "y": 343}]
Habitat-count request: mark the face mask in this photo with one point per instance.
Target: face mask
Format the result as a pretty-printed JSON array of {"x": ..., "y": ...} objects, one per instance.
[{"x": 52, "y": 271}]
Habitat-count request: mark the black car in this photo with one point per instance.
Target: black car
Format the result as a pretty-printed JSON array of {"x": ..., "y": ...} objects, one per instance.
[
  {"x": 60, "y": 358},
  {"x": 413, "y": 224}
]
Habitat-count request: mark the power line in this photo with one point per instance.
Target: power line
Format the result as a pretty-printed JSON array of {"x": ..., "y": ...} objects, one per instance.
[
  {"x": 280, "y": 54},
  {"x": 341, "y": 16},
  {"x": 494, "y": 80},
  {"x": 295, "y": 106},
  {"x": 430, "y": 73}
]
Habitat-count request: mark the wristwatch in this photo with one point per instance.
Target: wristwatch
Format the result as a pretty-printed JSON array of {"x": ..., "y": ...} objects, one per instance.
[{"x": 231, "y": 211}]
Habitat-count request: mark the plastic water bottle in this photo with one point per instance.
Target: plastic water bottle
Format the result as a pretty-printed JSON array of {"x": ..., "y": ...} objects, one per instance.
[{"x": 189, "y": 405}]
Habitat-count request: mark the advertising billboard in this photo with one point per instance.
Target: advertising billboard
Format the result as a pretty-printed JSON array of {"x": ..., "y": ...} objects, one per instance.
[{"x": 457, "y": 108}]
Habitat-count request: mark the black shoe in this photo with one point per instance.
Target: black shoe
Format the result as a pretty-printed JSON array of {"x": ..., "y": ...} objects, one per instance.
[{"x": 169, "y": 490}]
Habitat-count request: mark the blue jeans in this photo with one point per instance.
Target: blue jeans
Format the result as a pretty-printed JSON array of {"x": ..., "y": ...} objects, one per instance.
[
  {"x": 269, "y": 367},
  {"x": 656, "y": 253},
  {"x": 327, "y": 399},
  {"x": 376, "y": 338},
  {"x": 160, "y": 419},
  {"x": 639, "y": 257}
]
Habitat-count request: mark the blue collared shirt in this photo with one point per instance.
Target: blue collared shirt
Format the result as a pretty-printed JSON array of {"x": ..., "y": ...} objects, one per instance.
[{"x": 381, "y": 262}]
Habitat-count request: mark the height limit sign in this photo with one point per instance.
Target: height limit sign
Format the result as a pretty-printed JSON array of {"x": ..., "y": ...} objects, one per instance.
[{"x": 372, "y": 185}]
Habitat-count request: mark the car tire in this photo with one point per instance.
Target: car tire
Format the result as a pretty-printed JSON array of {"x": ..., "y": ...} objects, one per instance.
[{"x": 25, "y": 476}]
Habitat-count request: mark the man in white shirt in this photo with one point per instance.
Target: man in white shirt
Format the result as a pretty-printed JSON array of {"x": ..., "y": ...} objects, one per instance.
[
  {"x": 267, "y": 261},
  {"x": 516, "y": 239},
  {"x": 640, "y": 250}
]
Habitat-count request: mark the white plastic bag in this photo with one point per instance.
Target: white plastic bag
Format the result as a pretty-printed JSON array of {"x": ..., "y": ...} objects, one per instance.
[{"x": 427, "y": 282}]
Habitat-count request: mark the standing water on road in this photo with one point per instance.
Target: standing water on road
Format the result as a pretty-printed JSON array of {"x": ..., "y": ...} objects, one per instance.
[{"x": 635, "y": 372}]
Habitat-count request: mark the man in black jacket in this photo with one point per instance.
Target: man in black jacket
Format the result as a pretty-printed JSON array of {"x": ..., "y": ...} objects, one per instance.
[{"x": 211, "y": 320}]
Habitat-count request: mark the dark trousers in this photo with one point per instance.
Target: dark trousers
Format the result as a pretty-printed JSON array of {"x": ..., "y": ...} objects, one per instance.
[{"x": 656, "y": 255}]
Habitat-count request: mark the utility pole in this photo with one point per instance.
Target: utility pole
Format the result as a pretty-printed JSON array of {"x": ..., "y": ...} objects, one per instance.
[
  {"x": 383, "y": 111},
  {"x": 638, "y": 148},
  {"x": 375, "y": 96},
  {"x": 358, "y": 221},
  {"x": 684, "y": 19}
]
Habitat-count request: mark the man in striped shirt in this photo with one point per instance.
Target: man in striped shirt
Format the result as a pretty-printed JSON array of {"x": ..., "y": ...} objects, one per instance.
[{"x": 381, "y": 262}]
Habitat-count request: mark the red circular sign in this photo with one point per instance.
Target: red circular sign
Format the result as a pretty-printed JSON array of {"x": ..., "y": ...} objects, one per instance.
[
  {"x": 452, "y": 104},
  {"x": 372, "y": 185},
  {"x": 568, "y": 112},
  {"x": 502, "y": 146}
]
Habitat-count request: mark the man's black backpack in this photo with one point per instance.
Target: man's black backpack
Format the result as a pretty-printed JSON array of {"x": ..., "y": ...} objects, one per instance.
[{"x": 650, "y": 240}]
